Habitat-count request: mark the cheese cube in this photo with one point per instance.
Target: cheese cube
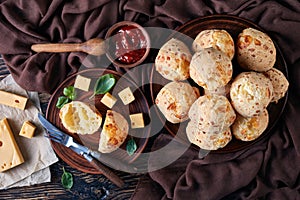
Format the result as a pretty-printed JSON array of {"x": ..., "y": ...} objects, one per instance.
[
  {"x": 13, "y": 100},
  {"x": 27, "y": 130},
  {"x": 108, "y": 100},
  {"x": 126, "y": 96},
  {"x": 82, "y": 83},
  {"x": 137, "y": 120},
  {"x": 10, "y": 153}
]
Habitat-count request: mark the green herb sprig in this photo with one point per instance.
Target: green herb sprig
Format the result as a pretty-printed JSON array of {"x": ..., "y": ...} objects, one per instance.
[
  {"x": 131, "y": 147},
  {"x": 61, "y": 101},
  {"x": 69, "y": 95},
  {"x": 67, "y": 179},
  {"x": 70, "y": 92},
  {"x": 104, "y": 84}
]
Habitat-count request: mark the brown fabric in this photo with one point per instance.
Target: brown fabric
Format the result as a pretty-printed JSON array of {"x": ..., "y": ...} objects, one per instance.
[
  {"x": 24, "y": 23},
  {"x": 268, "y": 170}
]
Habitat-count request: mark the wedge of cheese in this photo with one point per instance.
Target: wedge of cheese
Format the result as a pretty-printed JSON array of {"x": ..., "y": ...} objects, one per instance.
[
  {"x": 10, "y": 153},
  {"x": 13, "y": 100}
]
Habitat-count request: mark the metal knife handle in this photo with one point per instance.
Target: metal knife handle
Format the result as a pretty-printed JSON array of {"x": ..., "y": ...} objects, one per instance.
[
  {"x": 105, "y": 171},
  {"x": 95, "y": 154}
]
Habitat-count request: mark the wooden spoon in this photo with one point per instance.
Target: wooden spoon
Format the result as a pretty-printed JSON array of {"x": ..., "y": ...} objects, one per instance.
[{"x": 94, "y": 46}]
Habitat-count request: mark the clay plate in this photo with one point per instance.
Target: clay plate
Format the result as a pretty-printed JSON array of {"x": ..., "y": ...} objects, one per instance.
[
  {"x": 234, "y": 25},
  {"x": 139, "y": 105}
]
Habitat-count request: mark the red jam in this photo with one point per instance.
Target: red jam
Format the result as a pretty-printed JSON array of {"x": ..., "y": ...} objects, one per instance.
[{"x": 130, "y": 44}]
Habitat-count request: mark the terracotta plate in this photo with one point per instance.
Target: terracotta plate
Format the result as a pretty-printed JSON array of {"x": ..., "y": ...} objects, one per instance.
[
  {"x": 234, "y": 25},
  {"x": 139, "y": 105}
]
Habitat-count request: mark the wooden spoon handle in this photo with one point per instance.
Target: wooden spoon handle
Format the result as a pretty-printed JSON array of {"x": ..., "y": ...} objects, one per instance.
[
  {"x": 56, "y": 47},
  {"x": 94, "y": 46},
  {"x": 107, "y": 173}
]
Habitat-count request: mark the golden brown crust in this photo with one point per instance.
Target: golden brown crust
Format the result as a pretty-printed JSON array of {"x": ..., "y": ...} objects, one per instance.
[
  {"x": 248, "y": 129},
  {"x": 206, "y": 140},
  {"x": 255, "y": 50},
  {"x": 211, "y": 69},
  {"x": 173, "y": 60},
  {"x": 114, "y": 132},
  {"x": 217, "y": 39},
  {"x": 250, "y": 93},
  {"x": 212, "y": 113},
  {"x": 279, "y": 82},
  {"x": 175, "y": 99}
]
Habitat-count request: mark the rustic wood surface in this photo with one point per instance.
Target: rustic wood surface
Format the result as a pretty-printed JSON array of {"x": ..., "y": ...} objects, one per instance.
[{"x": 86, "y": 186}]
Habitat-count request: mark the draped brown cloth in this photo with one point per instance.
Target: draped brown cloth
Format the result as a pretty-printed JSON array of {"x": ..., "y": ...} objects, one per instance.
[{"x": 268, "y": 170}]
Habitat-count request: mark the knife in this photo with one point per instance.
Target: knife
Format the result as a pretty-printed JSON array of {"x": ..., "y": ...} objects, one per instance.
[{"x": 79, "y": 149}]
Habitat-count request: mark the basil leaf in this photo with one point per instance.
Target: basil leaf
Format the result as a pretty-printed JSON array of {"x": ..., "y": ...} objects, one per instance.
[
  {"x": 104, "y": 84},
  {"x": 70, "y": 92},
  {"x": 67, "y": 179},
  {"x": 131, "y": 147},
  {"x": 61, "y": 101}
]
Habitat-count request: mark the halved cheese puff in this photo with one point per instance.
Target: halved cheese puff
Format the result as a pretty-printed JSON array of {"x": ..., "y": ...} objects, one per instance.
[
  {"x": 114, "y": 132},
  {"x": 81, "y": 118}
]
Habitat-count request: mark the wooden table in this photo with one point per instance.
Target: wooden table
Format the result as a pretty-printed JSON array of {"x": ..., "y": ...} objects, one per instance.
[{"x": 86, "y": 186}]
